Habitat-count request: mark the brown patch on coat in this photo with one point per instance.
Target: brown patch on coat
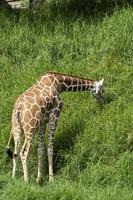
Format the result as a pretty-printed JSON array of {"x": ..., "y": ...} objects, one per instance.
[
  {"x": 29, "y": 94},
  {"x": 39, "y": 100},
  {"x": 34, "y": 109},
  {"x": 33, "y": 122},
  {"x": 30, "y": 99},
  {"x": 36, "y": 91},
  {"x": 27, "y": 105},
  {"x": 26, "y": 118},
  {"x": 26, "y": 128},
  {"x": 38, "y": 115},
  {"x": 46, "y": 81}
]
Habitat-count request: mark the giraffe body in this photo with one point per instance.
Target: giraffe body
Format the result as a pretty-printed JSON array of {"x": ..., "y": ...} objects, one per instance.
[{"x": 39, "y": 105}]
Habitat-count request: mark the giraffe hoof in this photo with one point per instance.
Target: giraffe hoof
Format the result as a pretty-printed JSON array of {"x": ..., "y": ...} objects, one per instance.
[
  {"x": 51, "y": 178},
  {"x": 38, "y": 180},
  {"x": 26, "y": 181}
]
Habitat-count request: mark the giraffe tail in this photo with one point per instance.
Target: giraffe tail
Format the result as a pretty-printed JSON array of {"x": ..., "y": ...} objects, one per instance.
[
  {"x": 8, "y": 150},
  {"x": 10, "y": 153}
]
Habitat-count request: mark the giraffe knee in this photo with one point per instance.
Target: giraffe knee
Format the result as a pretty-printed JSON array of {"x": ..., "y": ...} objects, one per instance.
[
  {"x": 50, "y": 151},
  {"x": 41, "y": 150}
]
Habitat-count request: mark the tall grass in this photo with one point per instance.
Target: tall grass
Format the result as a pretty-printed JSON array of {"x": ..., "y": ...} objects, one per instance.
[{"x": 93, "y": 158}]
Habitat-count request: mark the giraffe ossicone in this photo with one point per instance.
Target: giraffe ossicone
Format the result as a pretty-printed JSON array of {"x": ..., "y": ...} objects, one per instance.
[{"x": 38, "y": 106}]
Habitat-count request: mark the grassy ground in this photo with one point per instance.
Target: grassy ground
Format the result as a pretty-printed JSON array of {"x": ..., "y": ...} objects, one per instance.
[{"x": 93, "y": 158}]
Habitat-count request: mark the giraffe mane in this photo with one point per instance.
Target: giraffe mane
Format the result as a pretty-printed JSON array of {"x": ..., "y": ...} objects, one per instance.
[{"x": 58, "y": 73}]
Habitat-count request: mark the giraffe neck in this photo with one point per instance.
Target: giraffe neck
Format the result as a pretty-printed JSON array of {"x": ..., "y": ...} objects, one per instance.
[{"x": 73, "y": 83}]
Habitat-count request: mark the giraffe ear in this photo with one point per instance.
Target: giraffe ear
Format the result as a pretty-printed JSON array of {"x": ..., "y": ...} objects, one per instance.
[{"x": 101, "y": 82}]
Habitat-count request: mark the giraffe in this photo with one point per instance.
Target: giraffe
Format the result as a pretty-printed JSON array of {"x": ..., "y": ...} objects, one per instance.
[{"x": 38, "y": 106}]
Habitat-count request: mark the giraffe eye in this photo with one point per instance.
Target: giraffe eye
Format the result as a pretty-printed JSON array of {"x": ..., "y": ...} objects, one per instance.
[{"x": 102, "y": 90}]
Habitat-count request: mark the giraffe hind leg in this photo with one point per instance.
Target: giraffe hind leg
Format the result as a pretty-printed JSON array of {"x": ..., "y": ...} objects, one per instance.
[
  {"x": 17, "y": 131},
  {"x": 24, "y": 154}
]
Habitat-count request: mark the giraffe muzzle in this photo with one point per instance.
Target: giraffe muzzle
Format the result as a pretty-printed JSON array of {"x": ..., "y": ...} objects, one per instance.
[{"x": 101, "y": 100}]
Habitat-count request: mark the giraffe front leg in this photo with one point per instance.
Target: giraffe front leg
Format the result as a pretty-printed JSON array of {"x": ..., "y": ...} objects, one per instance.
[
  {"x": 53, "y": 118},
  {"x": 50, "y": 152},
  {"x": 41, "y": 152}
]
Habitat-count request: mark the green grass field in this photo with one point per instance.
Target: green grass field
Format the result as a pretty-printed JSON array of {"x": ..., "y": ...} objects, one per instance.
[{"x": 93, "y": 156}]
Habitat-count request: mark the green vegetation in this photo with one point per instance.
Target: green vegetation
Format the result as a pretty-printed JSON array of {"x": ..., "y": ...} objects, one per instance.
[{"x": 93, "y": 145}]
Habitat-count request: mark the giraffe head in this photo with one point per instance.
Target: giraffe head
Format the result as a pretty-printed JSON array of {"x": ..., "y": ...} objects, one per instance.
[{"x": 98, "y": 91}]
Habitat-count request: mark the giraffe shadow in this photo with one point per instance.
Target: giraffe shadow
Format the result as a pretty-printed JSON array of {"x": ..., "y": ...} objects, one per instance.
[
  {"x": 81, "y": 8},
  {"x": 65, "y": 143},
  {"x": 109, "y": 98},
  {"x": 71, "y": 9}
]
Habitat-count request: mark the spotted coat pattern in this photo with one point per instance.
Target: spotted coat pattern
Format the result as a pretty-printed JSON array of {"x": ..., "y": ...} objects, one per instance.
[{"x": 38, "y": 106}]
